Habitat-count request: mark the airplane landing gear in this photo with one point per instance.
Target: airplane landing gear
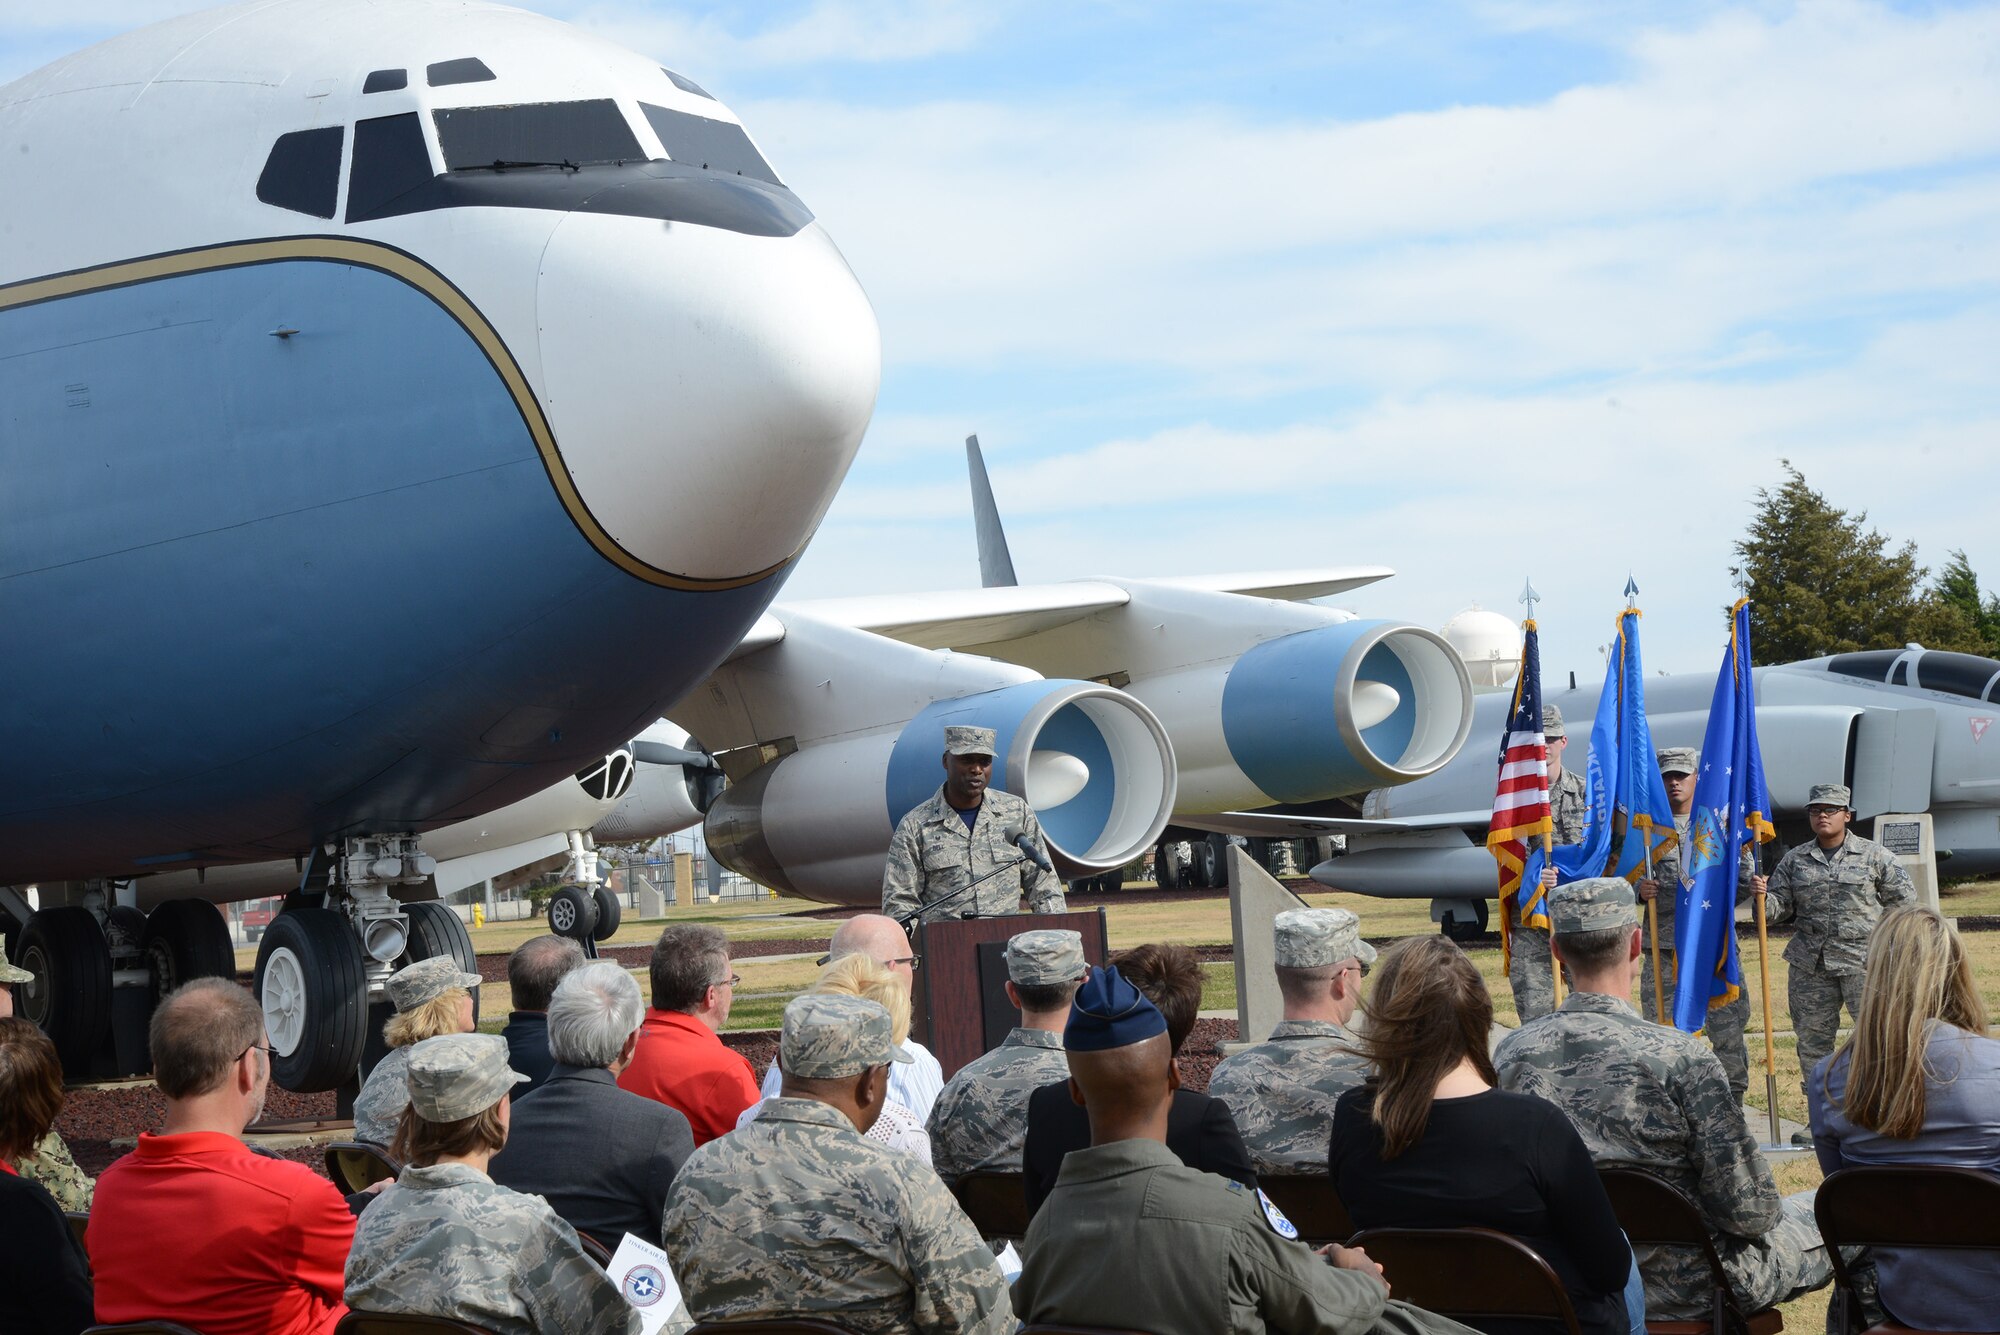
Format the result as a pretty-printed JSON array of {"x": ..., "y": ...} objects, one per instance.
[
  {"x": 70, "y": 996},
  {"x": 583, "y": 908}
]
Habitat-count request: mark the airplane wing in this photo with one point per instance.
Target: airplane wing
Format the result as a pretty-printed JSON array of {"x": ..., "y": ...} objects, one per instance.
[
  {"x": 1272, "y": 825},
  {"x": 956, "y": 619}
]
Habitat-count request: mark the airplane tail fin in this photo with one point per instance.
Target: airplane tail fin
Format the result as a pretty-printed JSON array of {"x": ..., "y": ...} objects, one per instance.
[{"x": 996, "y": 564}]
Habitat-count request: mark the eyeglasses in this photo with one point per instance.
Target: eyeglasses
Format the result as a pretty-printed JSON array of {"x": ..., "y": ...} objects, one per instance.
[
  {"x": 264, "y": 1048},
  {"x": 730, "y": 981},
  {"x": 914, "y": 961}
]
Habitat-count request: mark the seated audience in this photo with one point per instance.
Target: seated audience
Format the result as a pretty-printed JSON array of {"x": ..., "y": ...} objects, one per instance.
[
  {"x": 194, "y": 1227},
  {"x": 1134, "y": 1239},
  {"x": 431, "y": 998},
  {"x": 533, "y": 971},
  {"x": 1643, "y": 1096},
  {"x": 602, "y": 1156},
  {"x": 681, "y": 1060},
  {"x": 1429, "y": 1142},
  {"x": 47, "y": 1162},
  {"x": 445, "y": 1241},
  {"x": 44, "y": 1275},
  {"x": 1199, "y": 1129},
  {"x": 981, "y": 1118},
  {"x": 914, "y": 1084},
  {"x": 860, "y": 976},
  {"x": 1917, "y": 1084},
  {"x": 800, "y": 1214},
  {"x": 1282, "y": 1092}
]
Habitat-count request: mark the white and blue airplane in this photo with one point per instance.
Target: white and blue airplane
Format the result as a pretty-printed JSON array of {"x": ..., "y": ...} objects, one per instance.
[{"x": 361, "y": 361}]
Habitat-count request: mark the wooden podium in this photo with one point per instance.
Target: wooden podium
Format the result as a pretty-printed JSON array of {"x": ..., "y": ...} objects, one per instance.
[{"x": 960, "y": 1009}]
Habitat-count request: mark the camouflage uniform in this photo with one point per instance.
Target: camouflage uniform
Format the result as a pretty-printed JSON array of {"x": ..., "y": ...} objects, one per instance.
[
  {"x": 980, "y": 1121},
  {"x": 800, "y": 1215},
  {"x": 447, "y": 1241},
  {"x": 1725, "y": 1023},
  {"x": 1530, "y": 968},
  {"x": 933, "y": 856},
  {"x": 49, "y": 1164},
  {"x": 1282, "y": 1093},
  {"x": 379, "y": 1106},
  {"x": 1837, "y": 898},
  {"x": 1644, "y": 1096}
]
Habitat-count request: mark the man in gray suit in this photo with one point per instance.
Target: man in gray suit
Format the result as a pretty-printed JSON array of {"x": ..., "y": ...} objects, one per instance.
[{"x": 601, "y": 1156}]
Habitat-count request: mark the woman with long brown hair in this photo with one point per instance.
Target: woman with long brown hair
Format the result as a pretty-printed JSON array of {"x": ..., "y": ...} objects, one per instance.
[
  {"x": 44, "y": 1275},
  {"x": 1429, "y": 1142},
  {"x": 1917, "y": 1083}
]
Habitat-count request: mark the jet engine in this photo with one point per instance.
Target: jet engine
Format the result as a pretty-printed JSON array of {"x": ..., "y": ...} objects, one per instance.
[{"x": 816, "y": 819}]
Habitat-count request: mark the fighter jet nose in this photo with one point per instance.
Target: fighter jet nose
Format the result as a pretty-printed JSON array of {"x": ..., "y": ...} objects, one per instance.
[{"x": 706, "y": 389}]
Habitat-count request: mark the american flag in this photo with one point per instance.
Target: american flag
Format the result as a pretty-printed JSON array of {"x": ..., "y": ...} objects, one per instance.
[{"x": 1521, "y": 799}]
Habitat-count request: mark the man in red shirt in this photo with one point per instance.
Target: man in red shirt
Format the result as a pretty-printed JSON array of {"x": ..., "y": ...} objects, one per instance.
[
  {"x": 680, "y": 1060},
  {"x": 192, "y": 1226}
]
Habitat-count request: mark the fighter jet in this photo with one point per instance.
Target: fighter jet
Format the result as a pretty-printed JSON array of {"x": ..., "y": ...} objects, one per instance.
[{"x": 1905, "y": 729}]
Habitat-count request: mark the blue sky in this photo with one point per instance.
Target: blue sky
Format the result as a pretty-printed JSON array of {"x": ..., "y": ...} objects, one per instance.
[{"x": 1479, "y": 291}]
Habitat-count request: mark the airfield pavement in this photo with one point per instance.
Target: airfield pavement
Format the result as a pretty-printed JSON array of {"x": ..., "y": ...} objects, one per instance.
[{"x": 776, "y": 941}]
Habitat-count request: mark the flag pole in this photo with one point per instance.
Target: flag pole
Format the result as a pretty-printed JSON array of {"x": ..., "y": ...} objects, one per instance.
[
  {"x": 1770, "y": 1054},
  {"x": 1653, "y": 926},
  {"x": 1529, "y": 598}
]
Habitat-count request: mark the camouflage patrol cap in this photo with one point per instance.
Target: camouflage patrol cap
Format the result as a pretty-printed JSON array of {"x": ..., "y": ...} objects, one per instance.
[
  {"x": 1679, "y": 760},
  {"x": 964, "y": 741},
  {"x": 1315, "y": 938},
  {"x": 1594, "y": 904},
  {"x": 1552, "y": 723},
  {"x": 456, "y": 1075},
  {"x": 426, "y": 980},
  {"x": 1829, "y": 795},
  {"x": 827, "y": 1035},
  {"x": 13, "y": 973},
  {"x": 1039, "y": 959}
]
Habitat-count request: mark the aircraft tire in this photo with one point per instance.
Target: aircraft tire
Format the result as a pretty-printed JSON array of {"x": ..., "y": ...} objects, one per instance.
[
  {"x": 1111, "y": 882},
  {"x": 436, "y": 930},
  {"x": 185, "y": 939},
  {"x": 573, "y": 913},
  {"x": 313, "y": 985},
  {"x": 71, "y": 996},
  {"x": 609, "y": 911}
]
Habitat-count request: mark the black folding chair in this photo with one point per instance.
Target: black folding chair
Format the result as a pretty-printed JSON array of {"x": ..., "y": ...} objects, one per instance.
[
  {"x": 1954, "y": 1209},
  {"x": 997, "y": 1203},
  {"x": 1469, "y": 1274},
  {"x": 1311, "y": 1203},
  {"x": 595, "y": 1250},
  {"x": 1655, "y": 1213}
]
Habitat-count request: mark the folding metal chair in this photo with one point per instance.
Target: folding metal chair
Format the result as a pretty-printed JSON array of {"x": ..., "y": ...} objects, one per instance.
[
  {"x": 1311, "y": 1203},
  {"x": 1654, "y": 1212},
  {"x": 1947, "y": 1208},
  {"x": 996, "y": 1202},
  {"x": 1469, "y": 1274}
]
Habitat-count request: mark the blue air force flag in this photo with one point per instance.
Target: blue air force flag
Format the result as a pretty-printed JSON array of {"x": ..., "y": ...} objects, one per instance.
[{"x": 1731, "y": 805}]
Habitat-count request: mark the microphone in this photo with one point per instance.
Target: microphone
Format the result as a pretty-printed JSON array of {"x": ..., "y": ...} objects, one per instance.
[{"x": 1030, "y": 847}]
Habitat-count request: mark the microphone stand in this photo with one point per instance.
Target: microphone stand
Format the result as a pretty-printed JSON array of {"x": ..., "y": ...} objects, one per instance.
[{"x": 912, "y": 919}]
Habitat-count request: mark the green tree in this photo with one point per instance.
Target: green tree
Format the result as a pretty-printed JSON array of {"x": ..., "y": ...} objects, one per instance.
[
  {"x": 1957, "y": 588},
  {"x": 1825, "y": 583}
]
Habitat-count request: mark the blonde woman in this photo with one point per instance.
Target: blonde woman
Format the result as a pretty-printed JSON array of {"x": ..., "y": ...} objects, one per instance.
[
  {"x": 859, "y": 976},
  {"x": 1917, "y": 1083},
  {"x": 432, "y": 999}
]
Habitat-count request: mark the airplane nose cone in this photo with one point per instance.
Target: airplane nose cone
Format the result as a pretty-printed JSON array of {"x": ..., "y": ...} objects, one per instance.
[{"x": 706, "y": 389}]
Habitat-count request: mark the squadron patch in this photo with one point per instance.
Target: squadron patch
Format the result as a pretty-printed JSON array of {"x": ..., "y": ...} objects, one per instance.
[{"x": 1275, "y": 1217}]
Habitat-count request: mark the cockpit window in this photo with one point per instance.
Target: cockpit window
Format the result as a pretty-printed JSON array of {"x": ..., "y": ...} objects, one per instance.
[
  {"x": 466, "y": 69},
  {"x": 710, "y": 144},
  {"x": 385, "y": 81},
  {"x": 562, "y": 133},
  {"x": 1968, "y": 675},
  {"x": 687, "y": 85},
  {"x": 390, "y": 160},
  {"x": 303, "y": 172}
]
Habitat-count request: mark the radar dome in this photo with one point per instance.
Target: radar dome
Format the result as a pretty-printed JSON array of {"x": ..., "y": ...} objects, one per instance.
[{"x": 1488, "y": 643}]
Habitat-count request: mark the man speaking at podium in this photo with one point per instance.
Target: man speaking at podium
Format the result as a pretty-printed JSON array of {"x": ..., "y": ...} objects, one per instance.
[{"x": 971, "y": 851}]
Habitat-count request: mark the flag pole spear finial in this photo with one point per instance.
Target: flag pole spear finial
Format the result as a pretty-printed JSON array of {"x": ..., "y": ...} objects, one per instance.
[
  {"x": 1529, "y": 597},
  {"x": 1631, "y": 592}
]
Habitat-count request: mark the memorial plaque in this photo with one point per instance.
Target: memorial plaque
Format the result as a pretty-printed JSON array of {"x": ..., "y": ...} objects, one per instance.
[{"x": 1904, "y": 838}]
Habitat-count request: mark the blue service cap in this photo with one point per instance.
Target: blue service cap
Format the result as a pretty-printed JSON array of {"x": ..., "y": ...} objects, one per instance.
[{"x": 1110, "y": 1013}]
